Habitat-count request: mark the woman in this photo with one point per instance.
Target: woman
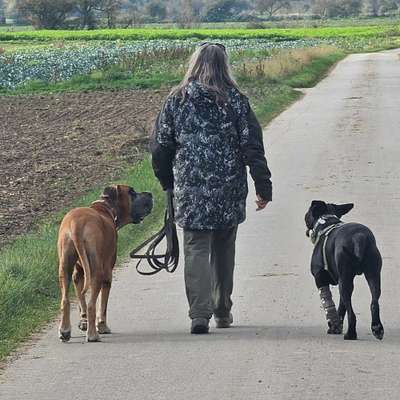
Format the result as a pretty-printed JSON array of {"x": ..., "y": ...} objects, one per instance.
[{"x": 204, "y": 137}]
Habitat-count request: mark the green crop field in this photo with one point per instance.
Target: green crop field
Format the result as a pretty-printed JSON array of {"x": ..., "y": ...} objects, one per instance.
[{"x": 180, "y": 34}]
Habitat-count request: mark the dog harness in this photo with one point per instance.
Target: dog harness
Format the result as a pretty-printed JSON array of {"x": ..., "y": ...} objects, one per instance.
[{"x": 317, "y": 235}]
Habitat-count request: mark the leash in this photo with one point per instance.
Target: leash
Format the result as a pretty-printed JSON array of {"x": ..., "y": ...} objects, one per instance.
[{"x": 158, "y": 262}]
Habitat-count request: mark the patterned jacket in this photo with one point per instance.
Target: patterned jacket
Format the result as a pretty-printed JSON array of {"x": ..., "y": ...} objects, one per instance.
[{"x": 201, "y": 149}]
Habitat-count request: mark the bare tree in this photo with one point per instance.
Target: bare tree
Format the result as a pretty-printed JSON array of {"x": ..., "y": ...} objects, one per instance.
[
  {"x": 133, "y": 13},
  {"x": 2, "y": 13},
  {"x": 224, "y": 10},
  {"x": 86, "y": 10},
  {"x": 187, "y": 12},
  {"x": 321, "y": 7},
  {"x": 374, "y": 7},
  {"x": 337, "y": 8},
  {"x": 45, "y": 13},
  {"x": 11, "y": 10},
  {"x": 271, "y": 7},
  {"x": 110, "y": 9},
  {"x": 156, "y": 9},
  {"x": 388, "y": 6}
]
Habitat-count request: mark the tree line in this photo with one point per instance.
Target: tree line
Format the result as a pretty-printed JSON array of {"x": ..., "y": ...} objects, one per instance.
[{"x": 89, "y": 14}]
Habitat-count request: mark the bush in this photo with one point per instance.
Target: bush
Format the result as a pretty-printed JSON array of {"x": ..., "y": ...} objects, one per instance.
[
  {"x": 255, "y": 25},
  {"x": 45, "y": 13}
]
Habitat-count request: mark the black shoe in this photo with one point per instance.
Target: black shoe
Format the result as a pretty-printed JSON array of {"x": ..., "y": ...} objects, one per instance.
[
  {"x": 224, "y": 322},
  {"x": 199, "y": 325}
]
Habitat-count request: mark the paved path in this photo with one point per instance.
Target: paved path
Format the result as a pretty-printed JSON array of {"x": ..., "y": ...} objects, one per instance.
[{"x": 340, "y": 143}]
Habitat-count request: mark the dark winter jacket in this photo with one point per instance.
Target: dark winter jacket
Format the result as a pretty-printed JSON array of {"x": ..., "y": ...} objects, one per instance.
[{"x": 201, "y": 149}]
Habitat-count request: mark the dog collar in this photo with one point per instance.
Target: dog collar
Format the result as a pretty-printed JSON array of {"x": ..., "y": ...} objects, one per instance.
[
  {"x": 315, "y": 233},
  {"x": 108, "y": 209}
]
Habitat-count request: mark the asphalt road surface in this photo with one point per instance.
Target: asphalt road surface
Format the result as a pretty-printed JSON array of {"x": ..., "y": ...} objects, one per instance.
[{"x": 339, "y": 143}]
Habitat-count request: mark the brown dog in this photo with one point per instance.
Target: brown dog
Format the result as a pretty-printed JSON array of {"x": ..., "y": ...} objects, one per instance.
[{"x": 87, "y": 251}]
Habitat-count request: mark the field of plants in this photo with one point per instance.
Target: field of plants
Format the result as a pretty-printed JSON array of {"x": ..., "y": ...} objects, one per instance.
[
  {"x": 55, "y": 64},
  {"x": 29, "y": 57},
  {"x": 221, "y": 34}
]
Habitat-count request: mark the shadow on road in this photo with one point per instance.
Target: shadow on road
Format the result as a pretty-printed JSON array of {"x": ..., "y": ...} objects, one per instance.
[
  {"x": 240, "y": 333},
  {"x": 243, "y": 333}
]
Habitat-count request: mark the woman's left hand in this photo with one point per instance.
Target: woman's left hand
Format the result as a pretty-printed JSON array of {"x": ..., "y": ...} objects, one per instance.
[{"x": 261, "y": 203}]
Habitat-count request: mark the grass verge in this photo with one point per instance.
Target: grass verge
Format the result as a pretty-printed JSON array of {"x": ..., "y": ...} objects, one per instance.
[
  {"x": 313, "y": 72},
  {"x": 271, "y": 83},
  {"x": 29, "y": 294},
  {"x": 110, "y": 79}
]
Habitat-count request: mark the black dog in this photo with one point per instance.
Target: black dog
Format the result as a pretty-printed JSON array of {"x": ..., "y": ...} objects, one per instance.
[{"x": 342, "y": 251}]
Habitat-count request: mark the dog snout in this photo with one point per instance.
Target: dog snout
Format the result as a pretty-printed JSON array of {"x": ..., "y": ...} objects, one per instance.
[
  {"x": 149, "y": 202},
  {"x": 150, "y": 205}
]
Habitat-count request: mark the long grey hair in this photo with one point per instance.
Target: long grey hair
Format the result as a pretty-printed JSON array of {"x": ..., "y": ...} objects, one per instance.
[{"x": 209, "y": 65}]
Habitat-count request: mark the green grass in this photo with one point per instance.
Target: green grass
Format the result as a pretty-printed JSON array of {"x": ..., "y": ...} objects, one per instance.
[
  {"x": 14, "y": 28},
  {"x": 26, "y": 45},
  {"x": 313, "y": 72},
  {"x": 29, "y": 294},
  {"x": 99, "y": 80},
  {"x": 230, "y": 33},
  {"x": 270, "y": 98}
]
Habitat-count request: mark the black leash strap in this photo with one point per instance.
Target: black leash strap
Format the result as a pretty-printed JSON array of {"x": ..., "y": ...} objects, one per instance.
[{"x": 159, "y": 262}]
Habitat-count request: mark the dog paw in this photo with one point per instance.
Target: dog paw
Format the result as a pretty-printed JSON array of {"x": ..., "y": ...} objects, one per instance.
[
  {"x": 64, "y": 336},
  {"x": 335, "y": 327},
  {"x": 377, "y": 331},
  {"x": 93, "y": 338},
  {"x": 103, "y": 329},
  {"x": 350, "y": 336},
  {"x": 335, "y": 330},
  {"x": 83, "y": 325}
]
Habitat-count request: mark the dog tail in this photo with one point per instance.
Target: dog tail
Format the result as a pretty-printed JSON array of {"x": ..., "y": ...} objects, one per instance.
[{"x": 83, "y": 258}]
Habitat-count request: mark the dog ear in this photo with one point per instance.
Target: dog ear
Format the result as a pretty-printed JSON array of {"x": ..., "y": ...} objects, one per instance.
[
  {"x": 110, "y": 193},
  {"x": 318, "y": 208},
  {"x": 343, "y": 209}
]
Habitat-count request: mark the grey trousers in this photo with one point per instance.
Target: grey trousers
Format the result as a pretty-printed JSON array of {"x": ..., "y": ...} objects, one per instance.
[{"x": 209, "y": 265}]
